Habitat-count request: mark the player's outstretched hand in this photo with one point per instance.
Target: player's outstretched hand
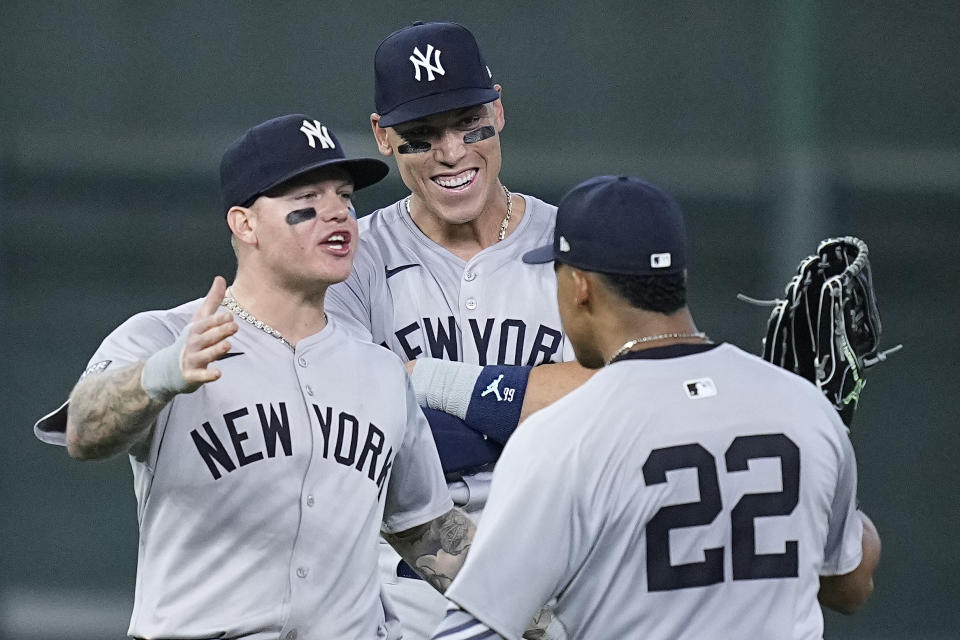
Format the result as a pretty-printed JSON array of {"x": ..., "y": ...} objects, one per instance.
[
  {"x": 184, "y": 365},
  {"x": 207, "y": 339}
]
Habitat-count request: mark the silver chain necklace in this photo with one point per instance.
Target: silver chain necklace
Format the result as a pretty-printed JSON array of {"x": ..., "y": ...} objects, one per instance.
[
  {"x": 503, "y": 224},
  {"x": 629, "y": 344},
  {"x": 233, "y": 306}
]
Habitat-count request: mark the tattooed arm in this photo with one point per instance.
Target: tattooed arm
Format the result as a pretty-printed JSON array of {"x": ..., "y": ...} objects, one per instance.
[
  {"x": 112, "y": 412},
  {"x": 109, "y": 413},
  {"x": 436, "y": 549}
]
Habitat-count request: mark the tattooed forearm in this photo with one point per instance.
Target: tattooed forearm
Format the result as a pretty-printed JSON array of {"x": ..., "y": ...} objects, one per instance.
[
  {"x": 109, "y": 413},
  {"x": 436, "y": 549}
]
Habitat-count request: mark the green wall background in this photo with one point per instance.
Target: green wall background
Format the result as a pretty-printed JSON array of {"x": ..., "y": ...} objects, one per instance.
[{"x": 775, "y": 123}]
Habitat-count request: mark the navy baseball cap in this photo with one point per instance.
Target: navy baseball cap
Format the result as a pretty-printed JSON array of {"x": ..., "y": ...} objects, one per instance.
[
  {"x": 277, "y": 150},
  {"x": 617, "y": 224},
  {"x": 428, "y": 68}
]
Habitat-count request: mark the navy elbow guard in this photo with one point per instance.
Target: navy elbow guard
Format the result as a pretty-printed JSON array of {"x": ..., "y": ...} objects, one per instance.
[
  {"x": 462, "y": 449},
  {"x": 497, "y": 399}
]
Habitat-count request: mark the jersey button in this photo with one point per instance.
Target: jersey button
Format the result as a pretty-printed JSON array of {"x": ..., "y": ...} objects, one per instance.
[
  {"x": 471, "y": 303},
  {"x": 309, "y": 501},
  {"x": 309, "y": 390},
  {"x": 302, "y": 361},
  {"x": 302, "y": 572},
  {"x": 470, "y": 276},
  {"x": 291, "y": 635}
]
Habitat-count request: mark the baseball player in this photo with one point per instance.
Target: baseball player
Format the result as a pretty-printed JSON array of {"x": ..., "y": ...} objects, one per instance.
[
  {"x": 269, "y": 448},
  {"x": 688, "y": 489},
  {"x": 438, "y": 276}
]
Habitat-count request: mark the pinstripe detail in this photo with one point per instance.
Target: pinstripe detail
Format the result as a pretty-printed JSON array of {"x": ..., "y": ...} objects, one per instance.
[
  {"x": 447, "y": 630},
  {"x": 478, "y": 632},
  {"x": 460, "y": 625}
]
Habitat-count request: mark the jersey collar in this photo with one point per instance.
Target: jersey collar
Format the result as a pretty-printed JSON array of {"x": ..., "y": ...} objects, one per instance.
[{"x": 669, "y": 351}]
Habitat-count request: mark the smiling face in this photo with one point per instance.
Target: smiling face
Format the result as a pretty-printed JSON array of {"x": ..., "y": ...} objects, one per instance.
[
  {"x": 450, "y": 161},
  {"x": 301, "y": 232}
]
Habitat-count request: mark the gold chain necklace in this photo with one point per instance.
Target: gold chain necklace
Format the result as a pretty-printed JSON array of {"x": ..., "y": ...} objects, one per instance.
[
  {"x": 503, "y": 224},
  {"x": 233, "y": 306},
  {"x": 506, "y": 218},
  {"x": 629, "y": 344}
]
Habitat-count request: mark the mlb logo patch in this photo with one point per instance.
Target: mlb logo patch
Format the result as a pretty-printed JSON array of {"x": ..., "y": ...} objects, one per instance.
[
  {"x": 702, "y": 388},
  {"x": 659, "y": 260}
]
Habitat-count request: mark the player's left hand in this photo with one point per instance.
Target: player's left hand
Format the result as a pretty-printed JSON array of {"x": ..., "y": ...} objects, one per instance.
[
  {"x": 184, "y": 365},
  {"x": 207, "y": 338}
]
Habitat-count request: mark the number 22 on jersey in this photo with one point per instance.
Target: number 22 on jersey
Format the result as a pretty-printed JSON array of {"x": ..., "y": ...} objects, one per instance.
[{"x": 747, "y": 563}]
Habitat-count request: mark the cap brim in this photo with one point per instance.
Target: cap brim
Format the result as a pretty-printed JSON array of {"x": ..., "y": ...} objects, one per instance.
[
  {"x": 438, "y": 103},
  {"x": 539, "y": 255},
  {"x": 363, "y": 171}
]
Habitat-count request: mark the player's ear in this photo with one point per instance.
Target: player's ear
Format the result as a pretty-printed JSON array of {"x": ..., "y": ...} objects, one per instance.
[
  {"x": 242, "y": 222},
  {"x": 582, "y": 287},
  {"x": 383, "y": 143},
  {"x": 498, "y": 117}
]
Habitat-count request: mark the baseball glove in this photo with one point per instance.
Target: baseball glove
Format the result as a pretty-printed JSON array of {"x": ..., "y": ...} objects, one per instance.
[{"x": 827, "y": 329}]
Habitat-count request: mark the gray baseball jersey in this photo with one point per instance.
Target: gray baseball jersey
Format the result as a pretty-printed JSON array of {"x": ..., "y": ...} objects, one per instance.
[
  {"x": 418, "y": 299},
  {"x": 262, "y": 495},
  {"x": 680, "y": 493}
]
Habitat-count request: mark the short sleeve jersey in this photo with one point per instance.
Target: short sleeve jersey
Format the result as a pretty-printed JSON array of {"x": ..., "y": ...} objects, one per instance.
[
  {"x": 262, "y": 495},
  {"x": 694, "y": 496},
  {"x": 419, "y": 300}
]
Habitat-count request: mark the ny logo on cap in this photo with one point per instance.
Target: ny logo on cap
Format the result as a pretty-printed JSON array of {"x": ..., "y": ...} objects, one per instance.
[
  {"x": 316, "y": 131},
  {"x": 420, "y": 60},
  {"x": 659, "y": 260}
]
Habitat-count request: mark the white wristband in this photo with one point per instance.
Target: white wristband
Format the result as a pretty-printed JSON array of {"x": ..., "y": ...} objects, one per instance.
[
  {"x": 162, "y": 378},
  {"x": 445, "y": 385}
]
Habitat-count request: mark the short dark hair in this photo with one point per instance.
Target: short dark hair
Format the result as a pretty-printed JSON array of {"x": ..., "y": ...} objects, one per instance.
[{"x": 661, "y": 293}]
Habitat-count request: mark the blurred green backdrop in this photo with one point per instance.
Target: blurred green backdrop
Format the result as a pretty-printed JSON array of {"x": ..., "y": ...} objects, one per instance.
[{"x": 775, "y": 123}]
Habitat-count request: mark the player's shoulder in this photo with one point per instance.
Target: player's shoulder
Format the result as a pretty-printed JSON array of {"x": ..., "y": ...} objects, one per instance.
[
  {"x": 540, "y": 215},
  {"x": 539, "y": 207},
  {"x": 784, "y": 389},
  {"x": 771, "y": 374},
  {"x": 535, "y": 229},
  {"x": 385, "y": 237},
  {"x": 161, "y": 321},
  {"x": 371, "y": 354},
  {"x": 144, "y": 333},
  {"x": 383, "y": 227}
]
